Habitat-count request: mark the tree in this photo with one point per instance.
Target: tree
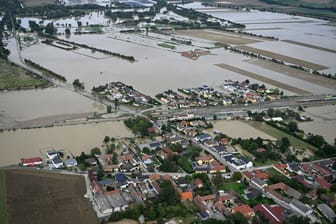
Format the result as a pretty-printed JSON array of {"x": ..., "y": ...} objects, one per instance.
[
  {"x": 109, "y": 109},
  {"x": 50, "y": 29},
  {"x": 67, "y": 32},
  {"x": 217, "y": 179},
  {"x": 106, "y": 139},
  {"x": 237, "y": 176},
  {"x": 95, "y": 151},
  {"x": 292, "y": 126},
  {"x": 168, "y": 195}
]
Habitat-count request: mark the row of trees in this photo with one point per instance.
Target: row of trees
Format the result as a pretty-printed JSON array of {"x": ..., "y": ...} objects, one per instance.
[{"x": 139, "y": 125}]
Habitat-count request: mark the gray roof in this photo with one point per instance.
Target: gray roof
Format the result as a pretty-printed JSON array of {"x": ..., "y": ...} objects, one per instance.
[
  {"x": 116, "y": 200},
  {"x": 299, "y": 205},
  {"x": 327, "y": 212},
  {"x": 219, "y": 148},
  {"x": 102, "y": 202}
]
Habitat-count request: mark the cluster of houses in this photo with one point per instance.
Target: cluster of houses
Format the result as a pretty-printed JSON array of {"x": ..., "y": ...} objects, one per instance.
[
  {"x": 250, "y": 92},
  {"x": 53, "y": 159},
  {"x": 312, "y": 175},
  {"x": 126, "y": 94}
]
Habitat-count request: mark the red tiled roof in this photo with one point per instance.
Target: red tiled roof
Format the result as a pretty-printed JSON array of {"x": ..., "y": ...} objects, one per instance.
[
  {"x": 321, "y": 169},
  {"x": 248, "y": 175},
  {"x": 127, "y": 157},
  {"x": 246, "y": 210},
  {"x": 155, "y": 176},
  {"x": 209, "y": 197},
  {"x": 224, "y": 141},
  {"x": 116, "y": 191},
  {"x": 186, "y": 195},
  {"x": 204, "y": 158},
  {"x": 272, "y": 213},
  {"x": 219, "y": 206},
  {"x": 261, "y": 175},
  {"x": 323, "y": 183},
  {"x": 31, "y": 160}
]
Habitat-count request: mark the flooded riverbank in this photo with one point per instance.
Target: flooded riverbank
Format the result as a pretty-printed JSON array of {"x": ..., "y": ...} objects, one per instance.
[{"x": 75, "y": 139}]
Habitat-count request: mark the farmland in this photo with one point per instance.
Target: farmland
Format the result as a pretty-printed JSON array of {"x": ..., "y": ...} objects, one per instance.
[
  {"x": 2, "y": 199},
  {"x": 35, "y": 196},
  {"x": 12, "y": 76},
  {"x": 33, "y": 3}
]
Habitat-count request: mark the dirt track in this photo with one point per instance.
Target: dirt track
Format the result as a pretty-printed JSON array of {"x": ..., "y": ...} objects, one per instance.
[
  {"x": 35, "y": 197},
  {"x": 264, "y": 79}
]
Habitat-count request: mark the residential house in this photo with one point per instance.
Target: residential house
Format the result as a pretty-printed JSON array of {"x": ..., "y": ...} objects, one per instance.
[
  {"x": 274, "y": 213},
  {"x": 220, "y": 149},
  {"x": 327, "y": 212},
  {"x": 186, "y": 196},
  {"x": 203, "y": 137},
  {"x": 35, "y": 161},
  {"x": 71, "y": 162},
  {"x": 282, "y": 168},
  {"x": 51, "y": 154},
  {"x": 57, "y": 162},
  {"x": 301, "y": 208},
  {"x": 245, "y": 210}
]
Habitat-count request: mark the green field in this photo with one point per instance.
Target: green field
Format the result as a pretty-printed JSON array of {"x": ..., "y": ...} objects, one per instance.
[
  {"x": 167, "y": 45},
  {"x": 237, "y": 187},
  {"x": 280, "y": 134},
  {"x": 3, "y": 219},
  {"x": 14, "y": 77}
]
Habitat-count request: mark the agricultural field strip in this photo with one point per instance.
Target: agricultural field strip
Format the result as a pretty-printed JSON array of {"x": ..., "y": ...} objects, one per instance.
[
  {"x": 3, "y": 219},
  {"x": 217, "y": 37},
  {"x": 263, "y": 79},
  {"x": 242, "y": 36},
  {"x": 292, "y": 72},
  {"x": 310, "y": 46},
  {"x": 285, "y": 58},
  {"x": 36, "y": 196}
]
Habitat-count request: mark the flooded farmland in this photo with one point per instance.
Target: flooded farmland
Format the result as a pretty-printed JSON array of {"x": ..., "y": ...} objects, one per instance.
[
  {"x": 74, "y": 139},
  {"x": 324, "y": 122}
]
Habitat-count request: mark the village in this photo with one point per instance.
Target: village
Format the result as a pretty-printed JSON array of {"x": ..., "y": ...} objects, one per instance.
[{"x": 212, "y": 173}]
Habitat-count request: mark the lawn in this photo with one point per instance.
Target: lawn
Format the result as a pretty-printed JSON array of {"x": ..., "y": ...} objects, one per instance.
[
  {"x": 280, "y": 134},
  {"x": 237, "y": 187},
  {"x": 3, "y": 219},
  {"x": 14, "y": 77},
  {"x": 167, "y": 45}
]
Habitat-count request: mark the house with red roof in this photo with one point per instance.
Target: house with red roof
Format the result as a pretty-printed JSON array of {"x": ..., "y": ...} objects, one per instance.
[
  {"x": 186, "y": 196},
  {"x": 274, "y": 213},
  {"x": 322, "y": 182},
  {"x": 244, "y": 209},
  {"x": 261, "y": 175},
  {"x": 282, "y": 168}
]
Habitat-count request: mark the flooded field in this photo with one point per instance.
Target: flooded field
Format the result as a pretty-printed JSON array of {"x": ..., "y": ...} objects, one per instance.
[
  {"x": 324, "y": 122},
  {"x": 25, "y": 105},
  {"x": 237, "y": 129},
  {"x": 75, "y": 139}
]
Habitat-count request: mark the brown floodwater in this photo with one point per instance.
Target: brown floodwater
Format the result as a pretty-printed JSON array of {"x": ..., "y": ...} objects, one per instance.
[{"x": 75, "y": 139}]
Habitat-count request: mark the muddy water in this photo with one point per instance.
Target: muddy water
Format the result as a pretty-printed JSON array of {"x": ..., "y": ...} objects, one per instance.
[
  {"x": 75, "y": 139},
  {"x": 31, "y": 104},
  {"x": 324, "y": 122}
]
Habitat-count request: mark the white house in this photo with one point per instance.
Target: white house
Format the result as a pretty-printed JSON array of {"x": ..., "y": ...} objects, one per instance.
[
  {"x": 51, "y": 154},
  {"x": 57, "y": 163}
]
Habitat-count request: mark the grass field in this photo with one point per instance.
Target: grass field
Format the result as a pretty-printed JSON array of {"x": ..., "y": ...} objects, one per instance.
[
  {"x": 167, "y": 45},
  {"x": 13, "y": 77},
  {"x": 219, "y": 36},
  {"x": 284, "y": 58},
  {"x": 35, "y": 197},
  {"x": 279, "y": 134},
  {"x": 237, "y": 187},
  {"x": 33, "y": 3},
  {"x": 263, "y": 79},
  {"x": 3, "y": 219}
]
